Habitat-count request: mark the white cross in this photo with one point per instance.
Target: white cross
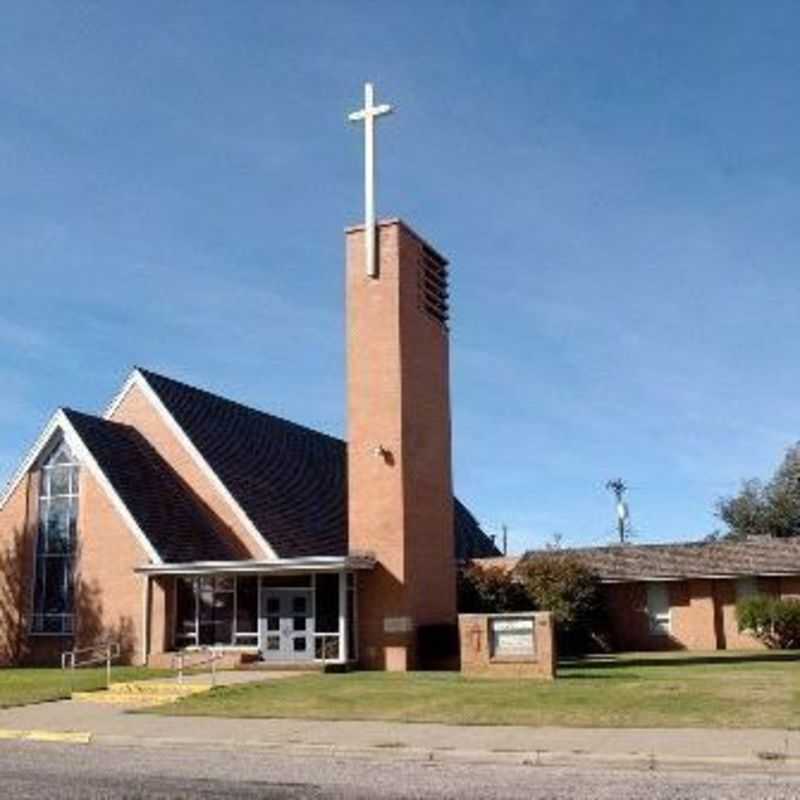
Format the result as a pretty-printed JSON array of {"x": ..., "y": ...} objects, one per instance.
[{"x": 368, "y": 114}]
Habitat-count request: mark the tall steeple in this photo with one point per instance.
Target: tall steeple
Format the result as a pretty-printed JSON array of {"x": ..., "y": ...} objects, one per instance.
[{"x": 400, "y": 491}]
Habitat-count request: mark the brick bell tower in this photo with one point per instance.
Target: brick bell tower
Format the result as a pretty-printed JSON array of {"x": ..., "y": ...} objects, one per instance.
[{"x": 399, "y": 441}]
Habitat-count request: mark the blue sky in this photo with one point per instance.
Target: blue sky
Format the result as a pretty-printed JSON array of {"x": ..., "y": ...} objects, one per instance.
[{"x": 616, "y": 185}]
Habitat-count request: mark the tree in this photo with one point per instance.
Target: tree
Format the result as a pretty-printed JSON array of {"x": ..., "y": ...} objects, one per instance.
[
  {"x": 560, "y": 582},
  {"x": 490, "y": 590},
  {"x": 766, "y": 509},
  {"x": 555, "y": 581}
]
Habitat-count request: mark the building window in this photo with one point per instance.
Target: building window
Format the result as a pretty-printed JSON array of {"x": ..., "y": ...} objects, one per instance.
[
  {"x": 217, "y": 610},
  {"x": 326, "y": 616},
  {"x": 56, "y": 543},
  {"x": 247, "y": 610},
  {"x": 186, "y": 611},
  {"x": 658, "y": 610}
]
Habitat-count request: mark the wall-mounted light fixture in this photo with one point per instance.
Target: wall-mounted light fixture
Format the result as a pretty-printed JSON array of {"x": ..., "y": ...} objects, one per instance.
[{"x": 381, "y": 452}]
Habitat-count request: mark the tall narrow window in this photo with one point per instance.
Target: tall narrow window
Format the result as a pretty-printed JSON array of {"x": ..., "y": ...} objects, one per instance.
[{"x": 56, "y": 542}]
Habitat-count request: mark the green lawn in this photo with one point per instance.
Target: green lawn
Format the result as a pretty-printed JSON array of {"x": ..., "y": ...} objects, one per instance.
[
  {"x": 634, "y": 690},
  {"x": 22, "y": 686}
]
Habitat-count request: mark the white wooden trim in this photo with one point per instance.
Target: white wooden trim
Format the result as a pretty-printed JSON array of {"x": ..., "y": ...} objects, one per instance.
[
  {"x": 30, "y": 458},
  {"x": 342, "y": 617},
  {"x": 60, "y": 422},
  {"x": 269, "y": 567},
  {"x": 136, "y": 378},
  {"x": 85, "y": 457},
  {"x": 120, "y": 396},
  {"x": 145, "y": 645}
]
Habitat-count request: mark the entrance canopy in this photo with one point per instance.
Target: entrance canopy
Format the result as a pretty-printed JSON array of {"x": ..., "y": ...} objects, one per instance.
[{"x": 281, "y": 611}]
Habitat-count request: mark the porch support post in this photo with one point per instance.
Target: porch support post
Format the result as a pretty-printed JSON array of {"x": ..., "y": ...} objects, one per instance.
[
  {"x": 342, "y": 617},
  {"x": 145, "y": 643}
]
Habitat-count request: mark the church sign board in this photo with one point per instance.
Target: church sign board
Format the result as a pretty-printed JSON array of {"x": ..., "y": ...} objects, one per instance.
[
  {"x": 518, "y": 645},
  {"x": 512, "y": 637}
]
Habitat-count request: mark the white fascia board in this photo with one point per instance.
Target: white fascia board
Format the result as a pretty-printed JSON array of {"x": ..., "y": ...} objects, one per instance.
[
  {"x": 137, "y": 379},
  {"x": 118, "y": 398},
  {"x": 60, "y": 422},
  {"x": 30, "y": 458},
  {"x": 280, "y": 565}
]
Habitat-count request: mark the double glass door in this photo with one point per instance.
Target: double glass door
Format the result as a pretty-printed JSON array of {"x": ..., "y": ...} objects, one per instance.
[{"x": 286, "y": 633}]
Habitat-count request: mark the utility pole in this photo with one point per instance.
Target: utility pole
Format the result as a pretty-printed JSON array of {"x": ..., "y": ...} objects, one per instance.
[
  {"x": 505, "y": 539},
  {"x": 618, "y": 487}
]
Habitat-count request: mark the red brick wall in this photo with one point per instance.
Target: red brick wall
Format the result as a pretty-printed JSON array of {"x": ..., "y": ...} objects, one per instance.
[
  {"x": 627, "y": 616},
  {"x": 108, "y": 594},
  {"x": 18, "y": 519},
  {"x": 703, "y": 615},
  {"x": 693, "y": 624},
  {"x": 400, "y": 507},
  {"x": 692, "y": 617},
  {"x": 790, "y": 587}
]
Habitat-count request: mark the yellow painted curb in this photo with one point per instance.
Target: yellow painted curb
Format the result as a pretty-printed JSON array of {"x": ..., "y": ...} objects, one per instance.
[{"x": 72, "y": 737}]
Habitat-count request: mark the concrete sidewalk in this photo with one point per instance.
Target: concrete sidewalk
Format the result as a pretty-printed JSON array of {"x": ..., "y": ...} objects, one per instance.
[{"x": 774, "y": 750}]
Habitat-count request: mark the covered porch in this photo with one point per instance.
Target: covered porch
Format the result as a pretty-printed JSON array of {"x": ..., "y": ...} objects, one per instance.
[{"x": 282, "y": 612}]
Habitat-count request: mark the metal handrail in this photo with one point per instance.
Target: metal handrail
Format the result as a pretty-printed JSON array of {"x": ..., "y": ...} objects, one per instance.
[
  {"x": 70, "y": 658},
  {"x": 215, "y": 655}
]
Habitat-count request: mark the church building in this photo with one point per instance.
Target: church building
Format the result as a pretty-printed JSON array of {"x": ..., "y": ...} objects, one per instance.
[{"x": 180, "y": 519}]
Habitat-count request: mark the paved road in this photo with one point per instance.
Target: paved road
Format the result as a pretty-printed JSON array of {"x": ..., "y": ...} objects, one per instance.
[{"x": 30, "y": 770}]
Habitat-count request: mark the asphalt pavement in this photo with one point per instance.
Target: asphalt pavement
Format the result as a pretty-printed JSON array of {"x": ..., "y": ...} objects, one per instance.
[{"x": 31, "y": 771}]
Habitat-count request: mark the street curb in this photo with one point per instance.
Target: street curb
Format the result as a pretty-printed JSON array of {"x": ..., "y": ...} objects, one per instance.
[
  {"x": 785, "y": 765},
  {"x": 64, "y": 737}
]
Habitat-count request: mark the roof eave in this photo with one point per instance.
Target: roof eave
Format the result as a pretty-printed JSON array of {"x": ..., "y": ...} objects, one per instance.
[
  {"x": 262, "y": 567},
  {"x": 700, "y": 576}
]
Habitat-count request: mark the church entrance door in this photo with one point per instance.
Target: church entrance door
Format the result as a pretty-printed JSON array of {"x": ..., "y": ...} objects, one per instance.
[{"x": 286, "y": 625}]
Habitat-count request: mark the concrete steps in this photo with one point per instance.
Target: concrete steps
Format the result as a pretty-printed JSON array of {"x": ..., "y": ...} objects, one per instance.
[{"x": 141, "y": 693}]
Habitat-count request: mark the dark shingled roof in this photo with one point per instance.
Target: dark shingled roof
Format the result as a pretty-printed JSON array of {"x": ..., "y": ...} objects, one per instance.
[
  {"x": 174, "y": 520},
  {"x": 290, "y": 480},
  {"x": 759, "y": 555}
]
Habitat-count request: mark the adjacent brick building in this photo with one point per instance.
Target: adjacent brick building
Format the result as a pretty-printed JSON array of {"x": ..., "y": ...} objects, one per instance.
[{"x": 683, "y": 596}]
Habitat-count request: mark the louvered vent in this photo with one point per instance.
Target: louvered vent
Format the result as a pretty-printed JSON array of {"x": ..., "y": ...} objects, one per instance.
[{"x": 432, "y": 289}]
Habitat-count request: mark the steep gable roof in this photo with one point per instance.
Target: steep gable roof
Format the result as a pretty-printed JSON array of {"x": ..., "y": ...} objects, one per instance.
[
  {"x": 172, "y": 518},
  {"x": 291, "y": 481}
]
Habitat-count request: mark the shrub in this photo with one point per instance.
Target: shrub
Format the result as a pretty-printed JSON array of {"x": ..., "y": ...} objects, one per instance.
[
  {"x": 773, "y": 620},
  {"x": 561, "y": 583},
  {"x": 555, "y": 581},
  {"x": 489, "y": 591}
]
